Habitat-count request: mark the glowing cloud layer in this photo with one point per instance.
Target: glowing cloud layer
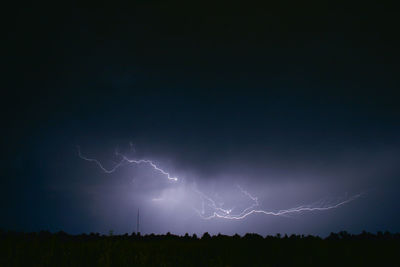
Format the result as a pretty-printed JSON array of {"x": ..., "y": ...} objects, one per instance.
[{"x": 210, "y": 209}]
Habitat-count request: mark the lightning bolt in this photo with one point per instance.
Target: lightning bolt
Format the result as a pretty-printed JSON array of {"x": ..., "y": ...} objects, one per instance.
[
  {"x": 125, "y": 160},
  {"x": 216, "y": 210}
]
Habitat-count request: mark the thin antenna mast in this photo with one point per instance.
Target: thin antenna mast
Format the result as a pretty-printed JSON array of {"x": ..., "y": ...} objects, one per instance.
[{"x": 137, "y": 222}]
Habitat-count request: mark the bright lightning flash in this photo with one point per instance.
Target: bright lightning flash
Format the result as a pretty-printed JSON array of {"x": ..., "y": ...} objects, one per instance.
[
  {"x": 124, "y": 159},
  {"x": 216, "y": 211}
]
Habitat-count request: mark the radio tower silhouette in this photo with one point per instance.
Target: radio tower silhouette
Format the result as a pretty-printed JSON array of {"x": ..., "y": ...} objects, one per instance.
[{"x": 137, "y": 222}]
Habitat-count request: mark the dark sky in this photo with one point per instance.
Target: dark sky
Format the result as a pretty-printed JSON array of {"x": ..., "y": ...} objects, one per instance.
[{"x": 294, "y": 102}]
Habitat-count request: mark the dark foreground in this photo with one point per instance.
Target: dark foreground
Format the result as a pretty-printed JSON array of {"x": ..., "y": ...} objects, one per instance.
[{"x": 60, "y": 249}]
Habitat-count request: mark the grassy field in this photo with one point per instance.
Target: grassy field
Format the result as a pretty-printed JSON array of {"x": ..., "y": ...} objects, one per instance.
[{"x": 61, "y": 249}]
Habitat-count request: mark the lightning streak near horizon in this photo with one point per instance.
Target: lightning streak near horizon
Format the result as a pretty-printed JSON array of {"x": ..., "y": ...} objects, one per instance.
[
  {"x": 213, "y": 209},
  {"x": 252, "y": 209}
]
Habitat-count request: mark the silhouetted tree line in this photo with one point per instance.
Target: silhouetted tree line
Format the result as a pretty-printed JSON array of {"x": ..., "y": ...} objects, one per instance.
[{"x": 61, "y": 249}]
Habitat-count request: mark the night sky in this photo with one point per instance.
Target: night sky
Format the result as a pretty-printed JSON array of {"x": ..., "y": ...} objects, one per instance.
[{"x": 294, "y": 103}]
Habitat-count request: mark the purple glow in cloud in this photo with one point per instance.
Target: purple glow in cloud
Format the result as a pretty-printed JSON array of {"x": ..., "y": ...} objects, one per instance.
[{"x": 209, "y": 207}]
